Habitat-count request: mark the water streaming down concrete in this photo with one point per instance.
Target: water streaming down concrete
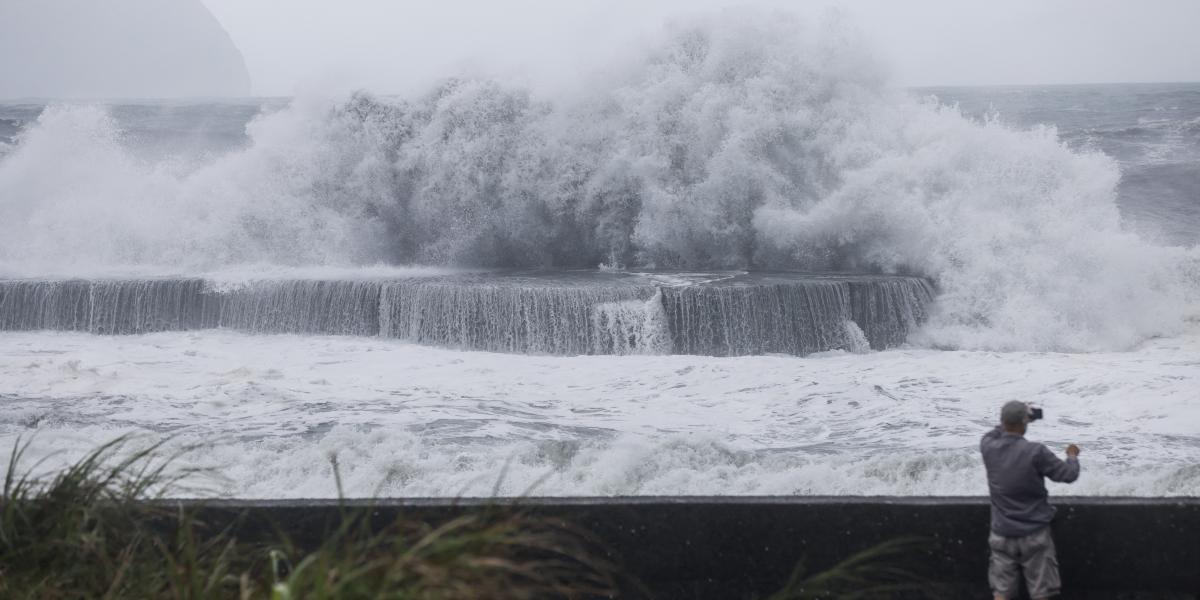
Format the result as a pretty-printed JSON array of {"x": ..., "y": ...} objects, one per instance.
[
  {"x": 887, "y": 309},
  {"x": 759, "y": 319},
  {"x": 537, "y": 314},
  {"x": 559, "y": 313},
  {"x": 108, "y": 306},
  {"x": 303, "y": 306}
]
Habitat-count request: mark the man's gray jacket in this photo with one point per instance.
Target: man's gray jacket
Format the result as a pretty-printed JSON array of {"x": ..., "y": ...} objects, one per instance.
[{"x": 1015, "y": 468}]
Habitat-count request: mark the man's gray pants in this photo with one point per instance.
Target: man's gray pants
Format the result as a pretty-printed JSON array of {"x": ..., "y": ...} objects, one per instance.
[{"x": 1032, "y": 554}]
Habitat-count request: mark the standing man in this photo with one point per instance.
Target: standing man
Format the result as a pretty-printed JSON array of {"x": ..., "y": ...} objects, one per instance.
[{"x": 1021, "y": 512}]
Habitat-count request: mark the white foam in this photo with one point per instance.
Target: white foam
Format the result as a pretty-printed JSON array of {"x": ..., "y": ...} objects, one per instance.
[{"x": 406, "y": 420}]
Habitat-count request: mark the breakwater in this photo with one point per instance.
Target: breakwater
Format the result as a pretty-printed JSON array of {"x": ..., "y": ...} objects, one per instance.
[
  {"x": 560, "y": 313},
  {"x": 746, "y": 547}
]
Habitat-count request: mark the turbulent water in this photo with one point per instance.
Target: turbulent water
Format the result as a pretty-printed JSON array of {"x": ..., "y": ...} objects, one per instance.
[
  {"x": 1058, "y": 225},
  {"x": 1152, "y": 130},
  {"x": 269, "y": 411}
]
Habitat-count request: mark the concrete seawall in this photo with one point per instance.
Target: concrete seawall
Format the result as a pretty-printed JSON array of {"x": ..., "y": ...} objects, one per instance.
[
  {"x": 564, "y": 313},
  {"x": 746, "y": 547}
]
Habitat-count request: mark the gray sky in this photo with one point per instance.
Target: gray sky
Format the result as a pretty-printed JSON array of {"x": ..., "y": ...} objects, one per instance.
[
  {"x": 395, "y": 46},
  {"x": 115, "y": 48}
]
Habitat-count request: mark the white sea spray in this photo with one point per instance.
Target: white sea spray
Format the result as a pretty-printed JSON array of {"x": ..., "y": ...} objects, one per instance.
[{"x": 738, "y": 141}]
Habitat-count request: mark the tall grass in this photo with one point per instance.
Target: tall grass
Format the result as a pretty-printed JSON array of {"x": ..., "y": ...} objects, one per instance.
[
  {"x": 485, "y": 554},
  {"x": 88, "y": 532}
]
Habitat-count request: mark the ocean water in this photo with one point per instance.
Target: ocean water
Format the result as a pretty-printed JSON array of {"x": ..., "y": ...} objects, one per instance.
[
  {"x": 1152, "y": 130},
  {"x": 1058, "y": 226}
]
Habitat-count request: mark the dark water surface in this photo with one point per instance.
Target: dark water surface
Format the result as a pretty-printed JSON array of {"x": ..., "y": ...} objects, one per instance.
[{"x": 1152, "y": 130}]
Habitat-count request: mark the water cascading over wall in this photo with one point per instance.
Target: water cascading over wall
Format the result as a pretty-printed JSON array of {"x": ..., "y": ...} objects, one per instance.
[
  {"x": 735, "y": 320},
  {"x": 526, "y": 317},
  {"x": 778, "y": 314},
  {"x": 303, "y": 306},
  {"x": 536, "y": 313},
  {"x": 887, "y": 309},
  {"x": 149, "y": 305},
  {"x": 108, "y": 306}
]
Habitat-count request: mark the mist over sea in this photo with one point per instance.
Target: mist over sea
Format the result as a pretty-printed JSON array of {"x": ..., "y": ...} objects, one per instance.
[{"x": 1058, "y": 224}]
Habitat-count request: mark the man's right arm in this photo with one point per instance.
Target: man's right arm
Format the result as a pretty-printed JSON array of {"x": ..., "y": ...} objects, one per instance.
[{"x": 1055, "y": 468}]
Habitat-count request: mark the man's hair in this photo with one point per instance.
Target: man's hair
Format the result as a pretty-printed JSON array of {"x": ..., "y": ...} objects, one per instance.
[{"x": 1014, "y": 413}]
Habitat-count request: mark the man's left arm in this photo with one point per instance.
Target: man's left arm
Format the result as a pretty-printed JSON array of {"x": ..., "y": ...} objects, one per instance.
[{"x": 1056, "y": 469}]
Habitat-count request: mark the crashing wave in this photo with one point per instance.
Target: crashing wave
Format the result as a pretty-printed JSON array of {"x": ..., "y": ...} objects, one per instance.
[{"x": 741, "y": 141}]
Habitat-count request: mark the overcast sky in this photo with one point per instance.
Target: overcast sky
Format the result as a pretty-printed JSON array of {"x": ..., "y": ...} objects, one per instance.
[{"x": 394, "y": 46}]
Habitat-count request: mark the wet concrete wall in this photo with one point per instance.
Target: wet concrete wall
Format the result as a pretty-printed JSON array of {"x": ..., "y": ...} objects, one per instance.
[{"x": 737, "y": 547}]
